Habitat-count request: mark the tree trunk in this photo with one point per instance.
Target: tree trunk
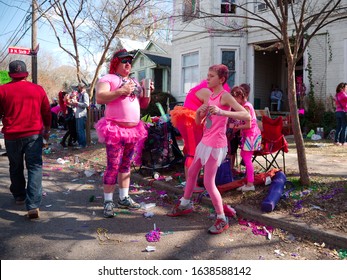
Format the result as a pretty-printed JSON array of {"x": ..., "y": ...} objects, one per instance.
[{"x": 299, "y": 141}]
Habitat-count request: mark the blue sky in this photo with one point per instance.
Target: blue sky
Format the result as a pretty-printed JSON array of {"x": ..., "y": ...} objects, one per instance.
[{"x": 15, "y": 28}]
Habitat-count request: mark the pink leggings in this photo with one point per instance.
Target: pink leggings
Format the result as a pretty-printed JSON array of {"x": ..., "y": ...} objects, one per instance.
[
  {"x": 247, "y": 159},
  {"x": 118, "y": 160},
  {"x": 210, "y": 171}
]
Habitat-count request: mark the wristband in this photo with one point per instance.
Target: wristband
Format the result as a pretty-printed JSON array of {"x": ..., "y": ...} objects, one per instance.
[{"x": 219, "y": 113}]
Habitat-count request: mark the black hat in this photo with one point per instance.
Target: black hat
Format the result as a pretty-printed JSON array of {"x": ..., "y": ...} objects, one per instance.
[
  {"x": 122, "y": 54},
  {"x": 18, "y": 69}
]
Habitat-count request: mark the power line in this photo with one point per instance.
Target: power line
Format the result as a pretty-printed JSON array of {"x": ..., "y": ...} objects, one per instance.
[{"x": 27, "y": 29}]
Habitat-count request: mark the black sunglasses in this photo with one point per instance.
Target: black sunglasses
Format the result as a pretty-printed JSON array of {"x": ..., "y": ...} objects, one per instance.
[{"x": 126, "y": 60}]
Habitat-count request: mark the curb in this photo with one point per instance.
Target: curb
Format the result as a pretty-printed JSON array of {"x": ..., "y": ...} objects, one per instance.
[{"x": 285, "y": 222}]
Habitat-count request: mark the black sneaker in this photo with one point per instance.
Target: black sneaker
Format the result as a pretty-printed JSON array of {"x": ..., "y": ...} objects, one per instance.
[
  {"x": 19, "y": 200},
  {"x": 108, "y": 209},
  {"x": 63, "y": 144},
  {"x": 127, "y": 203}
]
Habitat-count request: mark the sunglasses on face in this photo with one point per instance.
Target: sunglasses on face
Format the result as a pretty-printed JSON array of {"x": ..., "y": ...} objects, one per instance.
[{"x": 126, "y": 60}]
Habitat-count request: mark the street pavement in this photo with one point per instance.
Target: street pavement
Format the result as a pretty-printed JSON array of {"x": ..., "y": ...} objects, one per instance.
[{"x": 71, "y": 225}]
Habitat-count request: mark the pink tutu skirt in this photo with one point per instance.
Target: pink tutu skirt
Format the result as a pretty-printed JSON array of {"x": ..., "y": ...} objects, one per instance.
[
  {"x": 110, "y": 132},
  {"x": 204, "y": 152}
]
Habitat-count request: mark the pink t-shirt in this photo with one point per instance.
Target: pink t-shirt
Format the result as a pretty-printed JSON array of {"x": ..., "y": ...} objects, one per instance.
[
  {"x": 341, "y": 102},
  {"x": 124, "y": 108},
  {"x": 215, "y": 136}
]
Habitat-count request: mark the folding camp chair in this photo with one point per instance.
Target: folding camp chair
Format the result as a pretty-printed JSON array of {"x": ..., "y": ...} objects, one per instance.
[{"x": 273, "y": 144}]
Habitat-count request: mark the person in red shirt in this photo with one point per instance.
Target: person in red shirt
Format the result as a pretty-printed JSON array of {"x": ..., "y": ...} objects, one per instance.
[{"x": 26, "y": 118}]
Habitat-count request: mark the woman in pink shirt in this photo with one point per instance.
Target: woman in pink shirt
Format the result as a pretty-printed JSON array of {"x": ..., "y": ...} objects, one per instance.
[
  {"x": 121, "y": 129},
  {"x": 340, "y": 113},
  {"x": 212, "y": 149}
]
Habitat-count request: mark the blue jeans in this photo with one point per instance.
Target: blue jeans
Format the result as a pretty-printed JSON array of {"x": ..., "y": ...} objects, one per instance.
[
  {"x": 278, "y": 103},
  {"x": 81, "y": 131},
  {"x": 30, "y": 150},
  {"x": 341, "y": 122}
]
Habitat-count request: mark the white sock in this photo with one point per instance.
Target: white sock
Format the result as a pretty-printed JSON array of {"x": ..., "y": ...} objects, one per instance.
[
  {"x": 108, "y": 196},
  {"x": 221, "y": 216},
  {"x": 184, "y": 202},
  {"x": 123, "y": 193}
]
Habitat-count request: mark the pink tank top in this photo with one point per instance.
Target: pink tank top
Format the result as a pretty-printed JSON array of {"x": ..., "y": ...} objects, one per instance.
[
  {"x": 215, "y": 135},
  {"x": 122, "y": 109},
  {"x": 254, "y": 129}
]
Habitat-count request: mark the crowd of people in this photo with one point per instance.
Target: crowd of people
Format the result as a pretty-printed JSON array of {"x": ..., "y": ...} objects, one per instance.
[
  {"x": 69, "y": 112},
  {"x": 214, "y": 122}
]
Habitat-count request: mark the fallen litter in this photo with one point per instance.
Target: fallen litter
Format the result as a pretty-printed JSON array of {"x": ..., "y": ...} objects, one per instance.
[
  {"x": 148, "y": 214},
  {"x": 278, "y": 253},
  {"x": 153, "y": 235},
  {"x": 342, "y": 254},
  {"x": 150, "y": 248},
  {"x": 146, "y": 206},
  {"x": 104, "y": 239},
  {"x": 257, "y": 228},
  {"x": 89, "y": 173},
  {"x": 67, "y": 192},
  {"x": 268, "y": 236},
  {"x": 62, "y": 161}
]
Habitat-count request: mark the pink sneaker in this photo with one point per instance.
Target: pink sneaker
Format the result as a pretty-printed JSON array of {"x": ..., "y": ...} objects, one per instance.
[
  {"x": 180, "y": 210},
  {"x": 219, "y": 226}
]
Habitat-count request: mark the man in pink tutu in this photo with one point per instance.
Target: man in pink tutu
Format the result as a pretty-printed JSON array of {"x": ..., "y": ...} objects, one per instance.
[{"x": 121, "y": 129}]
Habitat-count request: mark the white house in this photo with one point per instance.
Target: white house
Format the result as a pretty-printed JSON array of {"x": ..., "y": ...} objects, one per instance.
[{"x": 253, "y": 56}]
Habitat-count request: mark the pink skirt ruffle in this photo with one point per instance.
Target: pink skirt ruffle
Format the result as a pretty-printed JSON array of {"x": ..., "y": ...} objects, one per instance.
[
  {"x": 204, "y": 152},
  {"x": 110, "y": 132}
]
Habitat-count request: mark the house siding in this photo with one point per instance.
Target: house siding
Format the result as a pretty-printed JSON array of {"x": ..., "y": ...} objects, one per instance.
[{"x": 252, "y": 66}]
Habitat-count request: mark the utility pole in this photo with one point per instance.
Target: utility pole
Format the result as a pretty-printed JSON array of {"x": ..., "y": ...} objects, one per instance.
[{"x": 34, "y": 42}]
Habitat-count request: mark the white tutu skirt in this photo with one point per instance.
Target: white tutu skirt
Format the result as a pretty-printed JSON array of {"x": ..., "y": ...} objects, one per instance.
[{"x": 204, "y": 152}]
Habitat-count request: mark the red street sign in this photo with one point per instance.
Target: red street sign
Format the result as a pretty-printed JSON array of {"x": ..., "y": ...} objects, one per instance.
[{"x": 17, "y": 50}]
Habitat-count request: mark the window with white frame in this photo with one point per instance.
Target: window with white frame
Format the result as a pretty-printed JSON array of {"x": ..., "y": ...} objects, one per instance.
[
  {"x": 190, "y": 9},
  {"x": 190, "y": 71},
  {"x": 228, "y": 59},
  {"x": 228, "y": 7},
  {"x": 261, "y": 6}
]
